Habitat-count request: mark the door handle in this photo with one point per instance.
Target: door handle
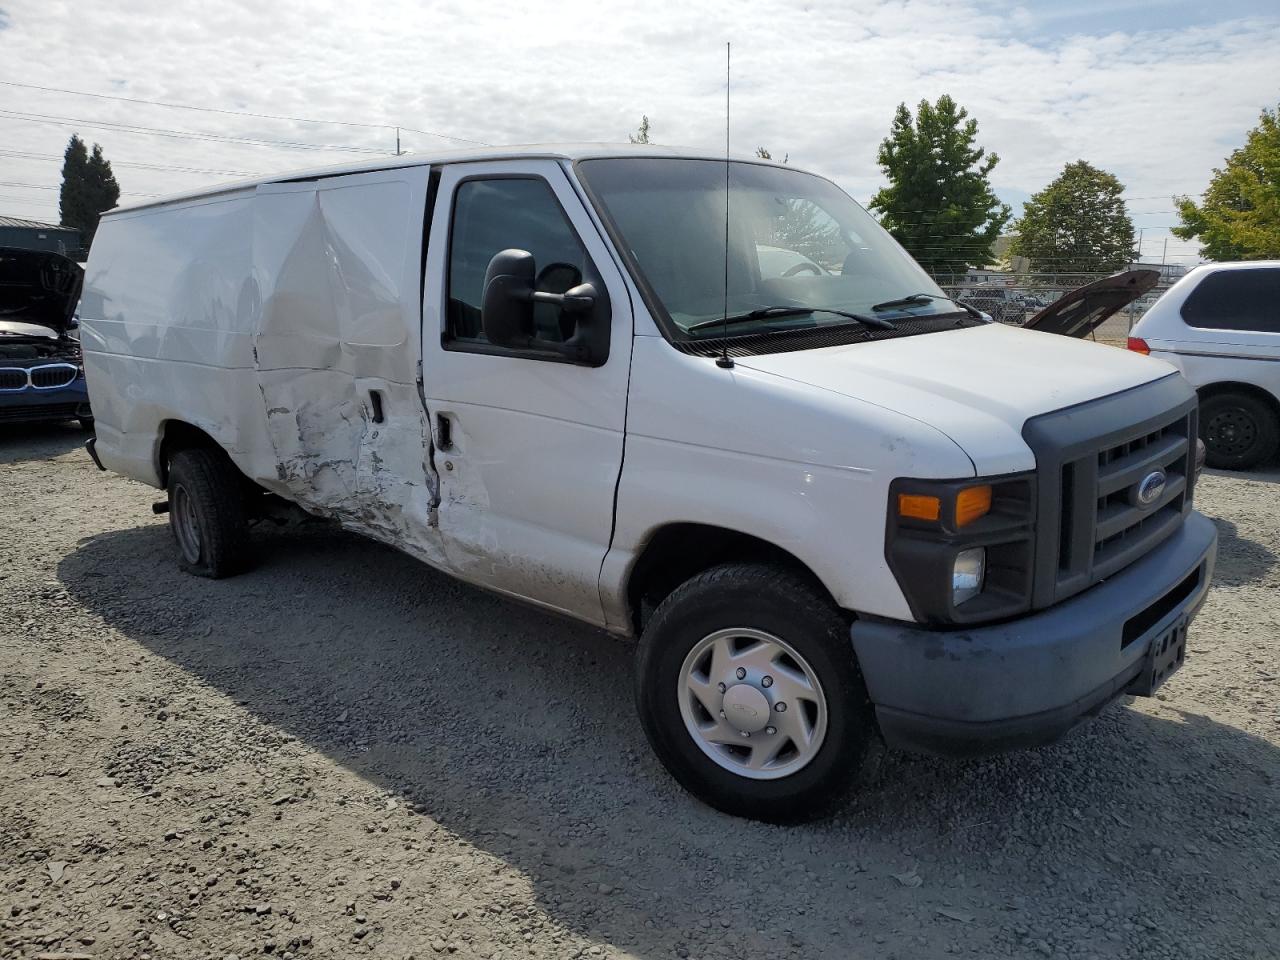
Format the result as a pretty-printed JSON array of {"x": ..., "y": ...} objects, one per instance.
[
  {"x": 375, "y": 400},
  {"x": 444, "y": 432}
]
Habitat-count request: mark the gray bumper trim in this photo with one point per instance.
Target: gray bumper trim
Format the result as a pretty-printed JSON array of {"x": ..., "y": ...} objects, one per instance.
[{"x": 1030, "y": 680}]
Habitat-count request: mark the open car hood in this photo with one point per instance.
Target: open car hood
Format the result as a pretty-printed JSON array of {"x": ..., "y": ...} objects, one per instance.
[
  {"x": 1080, "y": 312},
  {"x": 37, "y": 287}
]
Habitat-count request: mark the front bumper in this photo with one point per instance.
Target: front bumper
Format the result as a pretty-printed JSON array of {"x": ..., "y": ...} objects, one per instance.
[
  {"x": 65, "y": 403},
  {"x": 1029, "y": 681}
]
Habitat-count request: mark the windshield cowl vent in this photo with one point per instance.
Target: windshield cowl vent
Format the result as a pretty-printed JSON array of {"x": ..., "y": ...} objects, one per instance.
[{"x": 813, "y": 338}]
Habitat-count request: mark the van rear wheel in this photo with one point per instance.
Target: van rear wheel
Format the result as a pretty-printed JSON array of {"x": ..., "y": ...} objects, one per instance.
[
  {"x": 1239, "y": 431},
  {"x": 750, "y": 695},
  {"x": 207, "y": 513}
]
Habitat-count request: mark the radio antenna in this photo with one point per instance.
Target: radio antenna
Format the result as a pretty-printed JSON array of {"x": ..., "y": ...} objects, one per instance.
[{"x": 724, "y": 360}]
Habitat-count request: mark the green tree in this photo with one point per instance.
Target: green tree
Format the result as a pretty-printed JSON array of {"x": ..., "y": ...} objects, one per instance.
[
  {"x": 939, "y": 204},
  {"x": 1239, "y": 216},
  {"x": 88, "y": 188},
  {"x": 1077, "y": 224},
  {"x": 642, "y": 134}
]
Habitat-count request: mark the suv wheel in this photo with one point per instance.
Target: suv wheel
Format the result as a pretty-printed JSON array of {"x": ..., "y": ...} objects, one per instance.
[
  {"x": 750, "y": 694},
  {"x": 1239, "y": 431},
  {"x": 207, "y": 513}
]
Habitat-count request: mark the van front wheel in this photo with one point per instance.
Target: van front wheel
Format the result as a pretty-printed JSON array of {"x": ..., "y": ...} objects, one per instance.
[
  {"x": 207, "y": 513},
  {"x": 750, "y": 694}
]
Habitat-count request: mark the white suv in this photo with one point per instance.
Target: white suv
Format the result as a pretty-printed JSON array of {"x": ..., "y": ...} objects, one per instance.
[{"x": 1220, "y": 325}]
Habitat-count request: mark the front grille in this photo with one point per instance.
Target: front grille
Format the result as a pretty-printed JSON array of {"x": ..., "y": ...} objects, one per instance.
[
  {"x": 51, "y": 376},
  {"x": 1090, "y": 522},
  {"x": 1122, "y": 528},
  {"x": 44, "y": 376},
  {"x": 38, "y": 411}
]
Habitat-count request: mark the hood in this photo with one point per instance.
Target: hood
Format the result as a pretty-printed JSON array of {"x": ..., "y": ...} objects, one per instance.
[
  {"x": 977, "y": 385},
  {"x": 16, "y": 329},
  {"x": 40, "y": 288},
  {"x": 1080, "y": 312}
]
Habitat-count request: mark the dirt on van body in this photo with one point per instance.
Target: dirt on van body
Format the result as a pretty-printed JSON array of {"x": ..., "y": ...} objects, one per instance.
[{"x": 343, "y": 753}]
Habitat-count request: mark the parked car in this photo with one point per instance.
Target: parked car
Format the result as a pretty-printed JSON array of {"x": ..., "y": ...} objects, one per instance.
[
  {"x": 1002, "y": 304},
  {"x": 1220, "y": 325},
  {"x": 838, "y": 510},
  {"x": 41, "y": 376},
  {"x": 1078, "y": 312}
]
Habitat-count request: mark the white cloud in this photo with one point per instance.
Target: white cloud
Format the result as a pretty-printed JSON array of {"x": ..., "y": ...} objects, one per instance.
[{"x": 1159, "y": 107}]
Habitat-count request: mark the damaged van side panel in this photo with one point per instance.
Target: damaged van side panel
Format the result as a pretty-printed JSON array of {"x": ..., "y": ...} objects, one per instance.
[
  {"x": 337, "y": 352},
  {"x": 169, "y": 312}
]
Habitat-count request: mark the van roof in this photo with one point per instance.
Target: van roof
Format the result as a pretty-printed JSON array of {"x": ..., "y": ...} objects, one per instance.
[{"x": 542, "y": 151}]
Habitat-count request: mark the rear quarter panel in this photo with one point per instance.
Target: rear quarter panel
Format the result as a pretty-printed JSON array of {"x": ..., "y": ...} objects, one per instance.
[{"x": 169, "y": 304}]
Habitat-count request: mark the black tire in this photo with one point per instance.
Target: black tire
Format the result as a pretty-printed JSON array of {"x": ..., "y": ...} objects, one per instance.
[
  {"x": 207, "y": 496},
  {"x": 786, "y": 605},
  {"x": 1239, "y": 430}
]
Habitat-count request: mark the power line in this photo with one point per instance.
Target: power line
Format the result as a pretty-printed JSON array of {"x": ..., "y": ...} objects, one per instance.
[
  {"x": 235, "y": 113},
  {"x": 24, "y": 155},
  {"x": 41, "y": 186},
  {"x": 185, "y": 134}
]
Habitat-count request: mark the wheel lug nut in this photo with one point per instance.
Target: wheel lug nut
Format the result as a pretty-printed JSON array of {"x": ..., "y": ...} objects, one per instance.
[
  {"x": 771, "y": 730},
  {"x": 780, "y": 707},
  {"x": 741, "y": 672},
  {"x": 767, "y": 682},
  {"x": 722, "y": 687}
]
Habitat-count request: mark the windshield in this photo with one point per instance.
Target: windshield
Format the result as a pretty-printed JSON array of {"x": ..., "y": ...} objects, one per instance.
[{"x": 795, "y": 240}]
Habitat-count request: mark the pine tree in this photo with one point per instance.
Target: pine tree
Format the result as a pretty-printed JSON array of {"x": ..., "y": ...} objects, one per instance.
[
  {"x": 939, "y": 204},
  {"x": 88, "y": 189},
  {"x": 1077, "y": 224},
  {"x": 642, "y": 134}
]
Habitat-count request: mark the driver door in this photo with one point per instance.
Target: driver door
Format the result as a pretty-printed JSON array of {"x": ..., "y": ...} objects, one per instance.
[{"x": 527, "y": 444}]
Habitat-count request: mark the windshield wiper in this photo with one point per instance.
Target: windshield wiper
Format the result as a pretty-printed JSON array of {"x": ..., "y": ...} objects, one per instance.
[
  {"x": 764, "y": 313},
  {"x": 925, "y": 298}
]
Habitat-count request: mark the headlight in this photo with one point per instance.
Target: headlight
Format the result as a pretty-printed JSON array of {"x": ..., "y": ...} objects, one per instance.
[
  {"x": 967, "y": 574},
  {"x": 962, "y": 550}
]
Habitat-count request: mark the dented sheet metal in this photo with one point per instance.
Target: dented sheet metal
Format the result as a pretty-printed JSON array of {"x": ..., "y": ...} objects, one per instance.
[{"x": 337, "y": 347}]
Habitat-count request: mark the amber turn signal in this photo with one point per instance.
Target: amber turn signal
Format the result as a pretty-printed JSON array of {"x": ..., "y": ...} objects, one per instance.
[
  {"x": 972, "y": 503},
  {"x": 919, "y": 507}
]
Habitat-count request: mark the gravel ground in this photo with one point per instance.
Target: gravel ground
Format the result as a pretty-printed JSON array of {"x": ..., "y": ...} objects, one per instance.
[{"x": 344, "y": 753}]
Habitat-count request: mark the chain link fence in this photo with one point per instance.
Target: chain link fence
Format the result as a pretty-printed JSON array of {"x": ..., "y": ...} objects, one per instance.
[{"x": 1015, "y": 298}]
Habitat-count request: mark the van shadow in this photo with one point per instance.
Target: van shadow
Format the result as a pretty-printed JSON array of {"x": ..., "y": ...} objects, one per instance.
[
  {"x": 39, "y": 441},
  {"x": 1240, "y": 560},
  {"x": 515, "y": 730}
]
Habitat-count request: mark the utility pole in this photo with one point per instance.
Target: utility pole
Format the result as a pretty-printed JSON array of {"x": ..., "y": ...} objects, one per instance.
[{"x": 397, "y": 141}]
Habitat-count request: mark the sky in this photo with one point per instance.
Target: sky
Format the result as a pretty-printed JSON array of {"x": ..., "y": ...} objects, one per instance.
[{"x": 1158, "y": 92}]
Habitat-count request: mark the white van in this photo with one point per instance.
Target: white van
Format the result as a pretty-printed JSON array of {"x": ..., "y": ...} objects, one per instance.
[
  {"x": 837, "y": 508},
  {"x": 1220, "y": 325}
]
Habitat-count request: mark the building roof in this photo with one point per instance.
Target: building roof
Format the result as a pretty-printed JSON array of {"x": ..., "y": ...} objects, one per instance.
[
  {"x": 31, "y": 224},
  {"x": 542, "y": 151}
]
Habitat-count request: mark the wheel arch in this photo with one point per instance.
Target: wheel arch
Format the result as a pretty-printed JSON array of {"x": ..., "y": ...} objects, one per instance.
[
  {"x": 175, "y": 435},
  {"x": 1220, "y": 387},
  {"x": 675, "y": 552}
]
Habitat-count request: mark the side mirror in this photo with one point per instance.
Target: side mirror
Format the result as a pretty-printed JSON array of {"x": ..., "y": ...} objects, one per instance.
[{"x": 506, "y": 310}]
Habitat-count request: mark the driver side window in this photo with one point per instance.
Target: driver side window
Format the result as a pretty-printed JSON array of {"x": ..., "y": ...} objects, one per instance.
[{"x": 495, "y": 214}]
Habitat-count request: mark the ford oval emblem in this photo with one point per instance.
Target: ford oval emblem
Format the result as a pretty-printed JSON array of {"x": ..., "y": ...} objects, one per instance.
[{"x": 1150, "y": 488}]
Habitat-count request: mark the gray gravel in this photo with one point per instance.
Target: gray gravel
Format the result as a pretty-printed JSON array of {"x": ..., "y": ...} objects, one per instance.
[{"x": 345, "y": 753}]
